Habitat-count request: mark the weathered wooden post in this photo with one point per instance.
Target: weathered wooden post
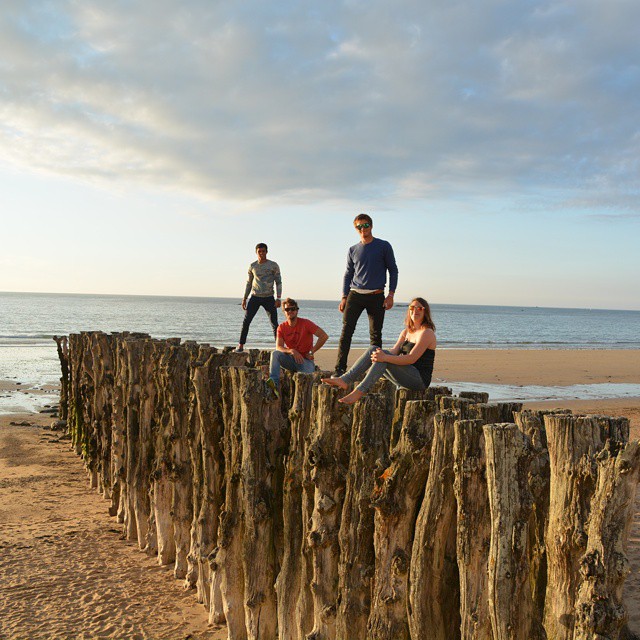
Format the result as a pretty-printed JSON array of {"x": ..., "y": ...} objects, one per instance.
[
  {"x": 62, "y": 346},
  {"x": 600, "y": 611},
  {"x": 434, "y": 592},
  {"x": 226, "y": 559},
  {"x": 328, "y": 460},
  {"x": 473, "y": 533},
  {"x": 531, "y": 424},
  {"x": 260, "y": 423},
  {"x": 209, "y": 470},
  {"x": 369, "y": 456},
  {"x": 511, "y": 605},
  {"x": 396, "y": 499},
  {"x": 161, "y": 488},
  {"x": 289, "y": 583},
  {"x": 574, "y": 442}
]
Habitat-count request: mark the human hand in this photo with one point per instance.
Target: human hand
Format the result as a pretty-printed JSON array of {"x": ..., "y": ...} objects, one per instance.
[
  {"x": 388, "y": 302},
  {"x": 342, "y": 305},
  {"x": 297, "y": 356},
  {"x": 309, "y": 355},
  {"x": 378, "y": 356},
  {"x": 244, "y": 303},
  {"x": 278, "y": 303}
]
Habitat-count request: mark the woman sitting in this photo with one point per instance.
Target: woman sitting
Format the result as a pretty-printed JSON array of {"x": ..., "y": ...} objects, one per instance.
[{"x": 409, "y": 364}]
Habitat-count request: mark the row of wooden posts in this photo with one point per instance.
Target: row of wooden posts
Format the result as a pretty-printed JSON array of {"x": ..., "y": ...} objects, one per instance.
[{"x": 408, "y": 515}]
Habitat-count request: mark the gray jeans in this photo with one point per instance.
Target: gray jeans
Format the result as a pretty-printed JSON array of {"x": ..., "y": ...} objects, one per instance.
[{"x": 402, "y": 375}]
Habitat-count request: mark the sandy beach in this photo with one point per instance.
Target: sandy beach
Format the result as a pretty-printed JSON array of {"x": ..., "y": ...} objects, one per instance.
[{"x": 65, "y": 571}]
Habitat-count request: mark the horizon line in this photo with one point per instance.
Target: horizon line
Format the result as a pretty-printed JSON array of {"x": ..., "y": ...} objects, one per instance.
[{"x": 336, "y": 300}]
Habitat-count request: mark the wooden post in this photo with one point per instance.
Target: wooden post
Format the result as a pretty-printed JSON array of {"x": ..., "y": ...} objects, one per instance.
[
  {"x": 161, "y": 474},
  {"x": 396, "y": 499},
  {"x": 289, "y": 582},
  {"x": 574, "y": 442},
  {"x": 434, "y": 592},
  {"x": 473, "y": 534},
  {"x": 600, "y": 612},
  {"x": 369, "y": 456},
  {"x": 475, "y": 396},
  {"x": 511, "y": 607},
  {"x": 531, "y": 424},
  {"x": 62, "y": 346},
  {"x": 226, "y": 559},
  {"x": 259, "y": 422},
  {"x": 402, "y": 396},
  {"x": 208, "y": 470},
  {"x": 327, "y": 460}
]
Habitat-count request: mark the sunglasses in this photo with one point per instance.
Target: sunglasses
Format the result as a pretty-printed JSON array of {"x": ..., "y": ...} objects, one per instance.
[
  {"x": 413, "y": 307},
  {"x": 291, "y": 308},
  {"x": 364, "y": 225}
]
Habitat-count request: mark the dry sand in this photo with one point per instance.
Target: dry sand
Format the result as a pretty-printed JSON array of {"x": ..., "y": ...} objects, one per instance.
[{"x": 66, "y": 573}]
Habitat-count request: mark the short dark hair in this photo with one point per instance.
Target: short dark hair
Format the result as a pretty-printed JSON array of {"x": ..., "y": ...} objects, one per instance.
[
  {"x": 261, "y": 245},
  {"x": 290, "y": 302},
  {"x": 365, "y": 217}
]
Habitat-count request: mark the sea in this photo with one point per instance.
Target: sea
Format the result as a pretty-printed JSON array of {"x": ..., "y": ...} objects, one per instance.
[{"x": 28, "y": 322}]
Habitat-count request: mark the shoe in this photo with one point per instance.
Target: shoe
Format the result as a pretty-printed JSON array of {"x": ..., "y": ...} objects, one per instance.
[
  {"x": 338, "y": 373},
  {"x": 239, "y": 349},
  {"x": 271, "y": 383}
]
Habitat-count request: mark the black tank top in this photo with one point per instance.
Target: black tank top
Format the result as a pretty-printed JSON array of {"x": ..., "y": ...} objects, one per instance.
[{"x": 424, "y": 364}]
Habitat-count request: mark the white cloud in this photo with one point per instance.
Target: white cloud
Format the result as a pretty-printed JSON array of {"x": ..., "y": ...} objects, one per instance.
[{"x": 290, "y": 100}]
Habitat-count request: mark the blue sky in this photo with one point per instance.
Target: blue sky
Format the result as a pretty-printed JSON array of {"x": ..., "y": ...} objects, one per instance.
[{"x": 147, "y": 147}]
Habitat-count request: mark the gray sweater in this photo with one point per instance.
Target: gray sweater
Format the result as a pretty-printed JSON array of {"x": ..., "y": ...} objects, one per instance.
[{"x": 262, "y": 278}]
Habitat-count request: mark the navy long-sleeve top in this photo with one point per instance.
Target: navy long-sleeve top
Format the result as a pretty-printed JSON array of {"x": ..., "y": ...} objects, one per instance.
[{"x": 367, "y": 266}]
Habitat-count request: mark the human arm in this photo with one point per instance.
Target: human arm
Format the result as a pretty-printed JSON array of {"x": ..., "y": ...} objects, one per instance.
[
  {"x": 247, "y": 288},
  {"x": 427, "y": 340},
  {"x": 280, "y": 346},
  {"x": 346, "y": 281},
  {"x": 322, "y": 338},
  {"x": 392, "y": 268},
  {"x": 277, "y": 276}
]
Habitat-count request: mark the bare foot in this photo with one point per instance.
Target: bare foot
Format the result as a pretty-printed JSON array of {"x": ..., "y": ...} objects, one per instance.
[
  {"x": 352, "y": 397},
  {"x": 335, "y": 382}
]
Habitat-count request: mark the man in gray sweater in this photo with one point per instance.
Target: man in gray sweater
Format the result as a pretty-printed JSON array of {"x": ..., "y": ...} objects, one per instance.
[{"x": 263, "y": 274}]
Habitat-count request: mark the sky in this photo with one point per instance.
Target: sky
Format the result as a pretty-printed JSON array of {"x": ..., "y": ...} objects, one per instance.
[{"x": 146, "y": 147}]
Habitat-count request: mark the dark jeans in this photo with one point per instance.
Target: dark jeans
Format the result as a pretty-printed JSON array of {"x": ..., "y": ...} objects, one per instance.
[
  {"x": 253, "y": 304},
  {"x": 356, "y": 304}
]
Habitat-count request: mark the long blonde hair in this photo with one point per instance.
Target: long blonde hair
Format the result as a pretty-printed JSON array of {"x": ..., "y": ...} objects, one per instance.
[{"x": 426, "y": 319}]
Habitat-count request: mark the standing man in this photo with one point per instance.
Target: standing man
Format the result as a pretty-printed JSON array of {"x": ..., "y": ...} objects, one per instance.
[
  {"x": 363, "y": 287},
  {"x": 294, "y": 345},
  {"x": 263, "y": 274}
]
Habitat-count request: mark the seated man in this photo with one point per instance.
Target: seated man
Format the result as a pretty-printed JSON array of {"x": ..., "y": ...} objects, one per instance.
[{"x": 294, "y": 345}]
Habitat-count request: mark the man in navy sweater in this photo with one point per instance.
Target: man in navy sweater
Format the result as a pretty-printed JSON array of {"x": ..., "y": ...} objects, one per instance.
[{"x": 363, "y": 287}]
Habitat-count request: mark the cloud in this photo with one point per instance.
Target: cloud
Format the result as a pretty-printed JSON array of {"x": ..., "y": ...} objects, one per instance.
[{"x": 291, "y": 100}]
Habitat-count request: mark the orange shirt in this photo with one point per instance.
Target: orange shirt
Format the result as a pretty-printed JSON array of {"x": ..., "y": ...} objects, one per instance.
[{"x": 298, "y": 337}]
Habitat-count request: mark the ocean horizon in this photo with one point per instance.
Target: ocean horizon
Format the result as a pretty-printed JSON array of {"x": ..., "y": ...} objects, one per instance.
[{"x": 28, "y": 322}]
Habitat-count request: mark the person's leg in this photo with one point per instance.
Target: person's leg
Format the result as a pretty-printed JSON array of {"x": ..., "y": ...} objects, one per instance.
[
  {"x": 375, "y": 311},
  {"x": 306, "y": 366},
  {"x": 359, "y": 366},
  {"x": 280, "y": 360},
  {"x": 352, "y": 312},
  {"x": 405, "y": 376},
  {"x": 269, "y": 305},
  {"x": 253, "y": 304},
  {"x": 376, "y": 371}
]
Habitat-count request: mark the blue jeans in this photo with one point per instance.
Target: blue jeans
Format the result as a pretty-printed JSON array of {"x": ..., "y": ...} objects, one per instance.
[
  {"x": 280, "y": 359},
  {"x": 402, "y": 375}
]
